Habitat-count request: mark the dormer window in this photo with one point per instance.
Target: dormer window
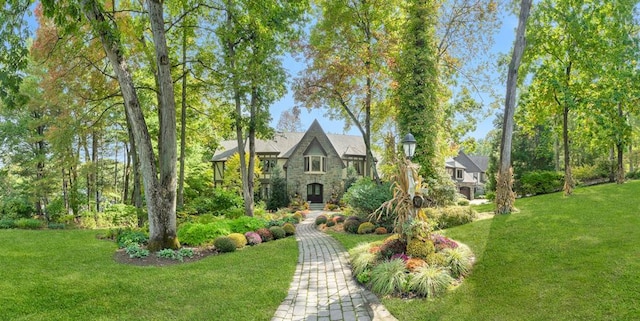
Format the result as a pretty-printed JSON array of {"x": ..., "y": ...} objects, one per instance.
[{"x": 459, "y": 173}]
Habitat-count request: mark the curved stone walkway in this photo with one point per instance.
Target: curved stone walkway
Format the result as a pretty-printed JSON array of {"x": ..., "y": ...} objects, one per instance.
[{"x": 323, "y": 288}]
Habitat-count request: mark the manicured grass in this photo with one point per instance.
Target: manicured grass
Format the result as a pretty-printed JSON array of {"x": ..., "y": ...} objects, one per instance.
[
  {"x": 560, "y": 258},
  {"x": 486, "y": 207},
  {"x": 71, "y": 275}
]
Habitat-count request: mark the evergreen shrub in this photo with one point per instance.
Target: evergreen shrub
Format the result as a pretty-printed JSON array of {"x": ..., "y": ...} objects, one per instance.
[
  {"x": 224, "y": 244},
  {"x": 366, "y": 228},
  {"x": 321, "y": 219},
  {"x": 6, "y": 223},
  {"x": 351, "y": 225},
  {"x": 365, "y": 196},
  {"x": 245, "y": 224},
  {"x": 539, "y": 182},
  {"x": 265, "y": 234},
  {"x": 420, "y": 249},
  {"x": 446, "y": 217},
  {"x": 29, "y": 223},
  {"x": 277, "y": 232},
  {"x": 289, "y": 229},
  {"x": 253, "y": 238},
  {"x": 238, "y": 239}
]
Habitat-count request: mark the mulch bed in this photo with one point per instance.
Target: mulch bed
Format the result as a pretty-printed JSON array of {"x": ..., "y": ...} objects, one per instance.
[{"x": 122, "y": 257}]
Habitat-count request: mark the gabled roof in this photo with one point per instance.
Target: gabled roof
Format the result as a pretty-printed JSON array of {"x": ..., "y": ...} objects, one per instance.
[
  {"x": 481, "y": 161},
  {"x": 463, "y": 159},
  {"x": 452, "y": 163},
  {"x": 285, "y": 143},
  {"x": 315, "y": 127}
]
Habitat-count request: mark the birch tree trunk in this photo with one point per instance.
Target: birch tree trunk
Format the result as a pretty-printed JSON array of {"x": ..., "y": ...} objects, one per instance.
[{"x": 505, "y": 197}]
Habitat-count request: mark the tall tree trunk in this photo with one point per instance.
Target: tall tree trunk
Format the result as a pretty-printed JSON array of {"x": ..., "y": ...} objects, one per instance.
[
  {"x": 159, "y": 193},
  {"x": 631, "y": 157},
  {"x": 371, "y": 165},
  {"x": 126, "y": 174},
  {"x": 568, "y": 178},
  {"x": 94, "y": 170},
  {"x": 620, "y": 150},
  {"x": 505, "y": 197},
  {"x": 183, "y": 119},
  {"x": 65, "y": 190}
]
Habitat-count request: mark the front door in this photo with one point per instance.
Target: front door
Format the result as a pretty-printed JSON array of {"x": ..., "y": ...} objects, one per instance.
[{"x": 314, "y": 193}]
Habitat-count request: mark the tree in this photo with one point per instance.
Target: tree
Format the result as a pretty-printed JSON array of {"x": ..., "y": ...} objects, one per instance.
[
  {"x": 279, "y": 197},
  {"x": 419, "y": 111},
  {"x": 348, "y": 70},
  {"x": 505, "y": 197},
  {"x": 289, "y": 121}
]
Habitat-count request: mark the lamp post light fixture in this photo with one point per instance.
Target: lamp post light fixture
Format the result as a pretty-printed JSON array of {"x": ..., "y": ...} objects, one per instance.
[{"x": 409, "y": 144}]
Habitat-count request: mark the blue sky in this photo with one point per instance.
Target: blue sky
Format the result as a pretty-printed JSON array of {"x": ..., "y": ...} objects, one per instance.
[{"x": 503, "y": 42}]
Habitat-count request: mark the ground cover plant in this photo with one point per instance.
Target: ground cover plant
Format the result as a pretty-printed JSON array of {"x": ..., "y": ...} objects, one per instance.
[
  {"x": 72, "y": 275},
  {"x": 559, "y": 258}
]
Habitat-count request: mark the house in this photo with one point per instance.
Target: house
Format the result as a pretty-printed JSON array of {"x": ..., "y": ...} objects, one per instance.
[
  {"x": 469, "y": 173},
  {"x": 313, "y": 163}
]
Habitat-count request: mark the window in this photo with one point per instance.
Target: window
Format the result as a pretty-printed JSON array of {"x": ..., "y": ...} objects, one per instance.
[
  {"x": 315, "y": 164},
  {"x": 268, "y": 165},
  {"x": 459, "y": 173}
]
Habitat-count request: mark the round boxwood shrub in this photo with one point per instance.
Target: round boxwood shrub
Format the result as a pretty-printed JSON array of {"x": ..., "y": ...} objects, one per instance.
[
  {"x": 289, "y": 228},
  {"x": 338, "y": 218},
  {"x": 351, "y": 225},
  {"x": 298, "y": 216},
  {"x": 381, "y": 230},
  {"x": 277, "y": 232},
  {"x": 253, "y": 238},
  {"x": 321, "y": 219},
  {"x": 392, "y": 247},
  {"x": 238, "y": 239},
  {"x": 420, "y": 249},
  {"x": 366, "y": 228},
  {"x": 265, "y": 234},
  {"x": 331, "y": 223},
  {"x": 224, "y": 244}
]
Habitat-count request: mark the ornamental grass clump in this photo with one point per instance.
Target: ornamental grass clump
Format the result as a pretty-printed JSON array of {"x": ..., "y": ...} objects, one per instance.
[
  {"x": 430, "y": 281},
  {"x": 458, "y": 261},
  {"x": 388, "y": 277}
]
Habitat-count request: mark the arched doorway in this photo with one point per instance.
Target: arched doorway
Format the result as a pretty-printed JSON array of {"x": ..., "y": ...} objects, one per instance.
[
  {"x": 466, "y": 191},
  {"x": 314, "y": 193}
]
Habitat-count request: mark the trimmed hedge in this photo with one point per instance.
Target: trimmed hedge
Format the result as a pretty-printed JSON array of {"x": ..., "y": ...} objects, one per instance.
[
  {"x": 446, "y": 217},
  {"x": 539, "y": 182}
]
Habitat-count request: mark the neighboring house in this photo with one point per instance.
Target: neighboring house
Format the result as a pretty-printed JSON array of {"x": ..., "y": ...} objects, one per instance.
[
  {"x": 469, "y": 173},
  {"x": 313, "y": 163}
]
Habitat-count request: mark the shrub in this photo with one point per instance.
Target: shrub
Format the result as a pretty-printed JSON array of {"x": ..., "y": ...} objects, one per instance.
[
  {"x": 56, "y": 226},
  {"x": 289, "y": 229},
  {"x": 277, "y": 232},
  {"x": 238, "y": 239},
  {"x": 253, "y": 238},
  {"x": 265, "y": 234},
  {"x": 364, "y": 277},
  {"x": 29, "y": 223},
  {"x": 234, "y": 213},
  {"x": 633, "y": 174},
  {"x": 388, "y": 277},
  {"x": 436, "y": 259},
  {"x": 458, "y": 261},
  {"x": 321, "y": 219},
  {"x": 6, "y": 223},
  {"x": 279, "y": 197},
  {"x": 491, "y": 196},
  {"x": 298, "y": 216},
  {"x": 430, "y": 281},
  {"x": 392, "y": 247},
  {"x": 442, "y": 189},
  {"x": 588, "y": 172},
  {"x": 331, "y": 223},
  {"x": 246, "y": 224},
  {"x": 413, "y": 263},
  {"x": 381, "y": 230},
  {"x": 197, "y": 234},
  {"x": 206, "y": 218},
  {"x": 420, "y": 249},
  {"x": 224, "y": 244},
  {"x": 169, "y": 254},
  {"x": 126, "y": 237},
  {"x": 16, "y": 207},
  {"x": 338, "y": 218},
  {"x": 119, "y": 215},
  {"x": 446, "y": 217},
  {"x": 136, "y": 250},
  {"x": 539, "y": 182},
  {"x": 442, "y": 242},
  {"x": 366, "y": 228},
  {"x": 365, "y": 196},
  {"x": 351, "y": 225},
  {"x": 362, "y": 262},
  {"x": 217, "y": 204},
  {"x": 463, "y": 202}
]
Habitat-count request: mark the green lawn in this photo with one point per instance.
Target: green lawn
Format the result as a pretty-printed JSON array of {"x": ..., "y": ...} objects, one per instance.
[
  {"x": 71, "y": 275},
  {"x": 574, "y": 258}
]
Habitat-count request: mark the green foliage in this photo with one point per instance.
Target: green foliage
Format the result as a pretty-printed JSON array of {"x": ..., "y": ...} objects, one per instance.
[
  {"x": 277, "y": 232},
  {"x": 218, "y": 203},
  {"x": 16, "y": 207},
  {"x": 393, "y": 246},
  {"x": 331, "y": 223},
  {"x": 52, "y": 226},
  {"x": 363, "y": 262},
  {"x": 321, "y": 219},
  {"x": 196, "y": 234},
  {"x": 279, "y": 197},
  {"x": 126, "y": 237},
  {"x": 364, "y": 277},
  {"x": 633, "y": 174},
  {"x": 238, "y": 239},
  {"x": 29, "y": 224},
  {"x": 224, "y": 244},
  {"x": 458, "y": 261},
  {"x": 6, "y": 223},
  {"x": 539, "y": 182},
  {"x": 589, "y": 172},
  {"x": 442, "y": 190},
  {"x": 120, "y": 215},
  {"x": 289, "y": 228},
  {"x": 388, "y": 277},
  {"x": 430, "y": 281},
  {"x": 365, "y": 196},
  {"x": 246, "y": 224},
  {"x": 366, "y": 228},
  {"x": 232, "y": 180},
  {"x": 351, "y": 225},
  {"x": 463, "y": 202},
  {"x": 234, "y": 213},
  {"x": 420, "y": 249},
  {"x": 135, "y": 250},
  {"x": 55, "y": 209},
  {"x": 446, "y": 217},
  {"x": 437, "y": 259},
  {"x": 177, "y": 255}
]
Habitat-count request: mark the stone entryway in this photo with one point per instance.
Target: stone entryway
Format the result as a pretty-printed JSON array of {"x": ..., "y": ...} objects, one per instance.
[{"x": 314, "y": 193}]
